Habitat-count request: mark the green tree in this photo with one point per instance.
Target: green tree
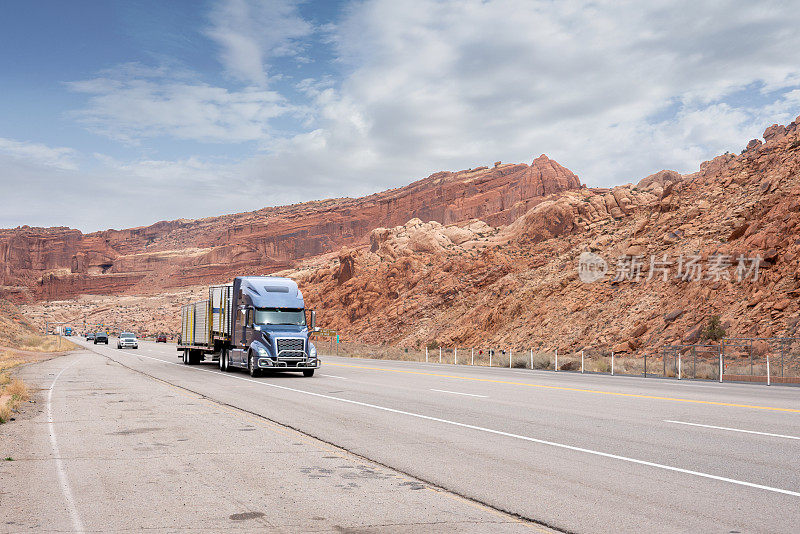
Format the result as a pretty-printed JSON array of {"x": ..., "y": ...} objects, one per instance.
[{"x": 714, "y": 330}]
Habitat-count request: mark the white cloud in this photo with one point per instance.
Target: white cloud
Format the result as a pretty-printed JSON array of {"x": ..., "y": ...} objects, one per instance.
[
  {"x": 613, "y": 90},
  {"x": 134, "y": 102},
  {"x": 57, "y": 157},
  {"x": 251, "y": 32}
]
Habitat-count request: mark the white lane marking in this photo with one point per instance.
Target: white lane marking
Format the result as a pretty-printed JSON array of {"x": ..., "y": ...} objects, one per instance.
[
  {"x": 459, "y": 393},
  {"x": 733, "y": 429},
  {"x": 501, "y": 433},
  {"x": 334, "y": 376},
  {"x": 62, "y": 475}
]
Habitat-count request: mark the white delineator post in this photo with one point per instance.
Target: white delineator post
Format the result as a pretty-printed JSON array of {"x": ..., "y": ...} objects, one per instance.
[
  {"x": 679, "y": 366},
  {"x": 472, "y": 359},
  {"x": 490, "y": 357},
  {"x": 556, "y": 368},
  {"x": 720, "y": 367},
  {"x": 510, "y": 357},
  {"x": 581, "y": 361},
  {"x": 440, "y": 354},
  {"x": 768, "y": 368},
  {"x": 612, "y": 363},
  {"x": 426, "y": 354},
  {"x": 455, "y": 356},
  {"x": 531, "y": 358}
]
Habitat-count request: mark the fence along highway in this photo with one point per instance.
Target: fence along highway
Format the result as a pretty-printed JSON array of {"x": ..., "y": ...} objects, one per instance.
[{"x": 583, "y": 453}]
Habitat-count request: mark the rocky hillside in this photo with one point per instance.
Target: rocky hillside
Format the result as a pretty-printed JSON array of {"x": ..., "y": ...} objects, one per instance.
[
  {"x": 50, "y": 263},
  {"x": 474, "y": 283}
]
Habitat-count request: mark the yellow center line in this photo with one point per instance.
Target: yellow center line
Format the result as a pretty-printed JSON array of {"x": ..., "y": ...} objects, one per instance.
[{"x": 563, "y": 388}]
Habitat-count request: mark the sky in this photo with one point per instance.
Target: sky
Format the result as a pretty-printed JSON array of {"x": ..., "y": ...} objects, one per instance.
[{"x": 115, "y": 114}]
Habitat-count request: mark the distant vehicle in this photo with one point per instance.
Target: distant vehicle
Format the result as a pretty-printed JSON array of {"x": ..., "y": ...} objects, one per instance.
[
  {"x": 67, "y": 330},
  {"x": 101, "y": 337},
  {"x": 89, "y": 336},
  {"x": 127, "y": 340},
  {"x": 161, "y": 338},
  {"x": 256, "y": 323}
]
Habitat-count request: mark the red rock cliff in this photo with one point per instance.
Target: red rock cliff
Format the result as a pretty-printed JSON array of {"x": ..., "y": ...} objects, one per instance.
[{"x": 62, "y": 262}]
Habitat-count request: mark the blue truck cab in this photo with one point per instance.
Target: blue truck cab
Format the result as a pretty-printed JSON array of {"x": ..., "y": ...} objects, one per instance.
[
  {"x": 258, "y": 323},
  {"x": 270, "y": 328}
]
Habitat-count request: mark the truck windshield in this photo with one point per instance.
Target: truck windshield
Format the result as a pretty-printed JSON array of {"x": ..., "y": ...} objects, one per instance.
[{"x": 286, "y": 316}]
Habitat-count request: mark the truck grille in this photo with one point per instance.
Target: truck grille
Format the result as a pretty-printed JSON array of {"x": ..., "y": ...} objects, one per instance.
[{"x": 290, "y": 347}]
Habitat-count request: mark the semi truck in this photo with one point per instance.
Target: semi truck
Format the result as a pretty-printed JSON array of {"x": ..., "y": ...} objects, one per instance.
[{"x": 258, "y": 323}]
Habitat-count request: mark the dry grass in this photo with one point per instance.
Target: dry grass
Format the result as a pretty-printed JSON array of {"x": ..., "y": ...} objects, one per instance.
[
  {"x": 11, "y": 396},
  {"x": 17, "y": 389},
  {"x": 20, "y": 343}
]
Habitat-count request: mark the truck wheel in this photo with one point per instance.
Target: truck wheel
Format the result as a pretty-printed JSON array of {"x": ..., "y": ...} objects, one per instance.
[
  {"x": 251, "y": 366},
  {"x": 308, "y": 373},
  {"x": 185, "y": 356},
  {"x": 194, "y": 357},
  {"x": 224, "y": 363}
]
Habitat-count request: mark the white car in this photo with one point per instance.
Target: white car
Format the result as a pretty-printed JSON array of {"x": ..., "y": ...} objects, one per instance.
[{"x": 127, "y": 340}]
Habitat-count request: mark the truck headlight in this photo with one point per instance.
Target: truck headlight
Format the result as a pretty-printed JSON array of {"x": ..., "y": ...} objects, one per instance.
[
  {"x": 262, "y": 351},
  {"x": 312, "y": 351}
]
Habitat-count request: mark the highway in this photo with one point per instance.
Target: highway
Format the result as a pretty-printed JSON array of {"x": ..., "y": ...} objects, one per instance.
[{"x": 436, "y": 448}]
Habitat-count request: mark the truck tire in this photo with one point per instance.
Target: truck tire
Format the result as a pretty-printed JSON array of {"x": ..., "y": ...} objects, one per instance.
[
  {"x": 224, "y": 363},
  {"x": 251, "y": 366},
  {"x": 308, "y": 373},
  {"x": 185, "y": 356},
  {"x": 194, "y": 357}
]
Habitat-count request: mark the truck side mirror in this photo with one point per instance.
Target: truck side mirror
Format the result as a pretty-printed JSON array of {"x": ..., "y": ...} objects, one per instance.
[{"x": 312, "y": 320}]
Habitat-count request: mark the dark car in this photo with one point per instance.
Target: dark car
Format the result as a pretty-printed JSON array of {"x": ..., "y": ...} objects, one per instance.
[
  {"x": 161, "y": 338},
  {"x": 89, "y": 336},
  {"x": 101, "y": 337}
]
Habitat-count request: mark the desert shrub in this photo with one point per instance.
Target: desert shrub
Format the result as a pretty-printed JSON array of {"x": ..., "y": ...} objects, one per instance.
[
  {"x": 570, "y": 366},
  {"x": 713, "y": 330},
  {"x": 519, "y": 363},
  {"x": 5, "y": 412},
  {"x": 17, "y": 390},
  {"x": 707, "y": 371},
  {"x": 603, "y": 366},
  {"x": 433, "y": 345},
  {"x": 541, "y": 361}
]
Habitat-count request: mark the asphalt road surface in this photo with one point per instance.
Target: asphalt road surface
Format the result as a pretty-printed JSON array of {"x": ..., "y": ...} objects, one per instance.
[{"x": 384, "y": 446}]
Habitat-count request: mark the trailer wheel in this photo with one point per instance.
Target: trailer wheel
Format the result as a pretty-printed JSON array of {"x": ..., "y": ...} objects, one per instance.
[
  {"x": 308, "y": 373},
  {"x": 185, "y": 356},
  {"x": 251, "y": 366},
  {"x": 194, "y": 357}
]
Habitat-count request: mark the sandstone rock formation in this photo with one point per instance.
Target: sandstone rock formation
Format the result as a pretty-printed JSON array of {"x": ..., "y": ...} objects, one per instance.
[
  {"x": 62, "y": 262},
  {"x": 484, "y": 257},
  {"x": 473, "y": 283}
]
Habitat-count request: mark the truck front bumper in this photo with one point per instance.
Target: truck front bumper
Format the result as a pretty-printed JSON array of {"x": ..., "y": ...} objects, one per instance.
[{"x": 287, "y": 364}]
